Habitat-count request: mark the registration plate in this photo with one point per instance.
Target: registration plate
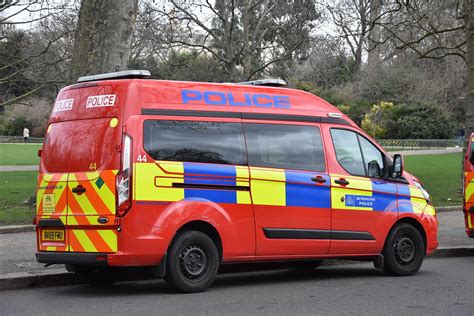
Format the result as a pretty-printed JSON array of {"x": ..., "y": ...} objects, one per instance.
[{"x": 53, "y": 235}]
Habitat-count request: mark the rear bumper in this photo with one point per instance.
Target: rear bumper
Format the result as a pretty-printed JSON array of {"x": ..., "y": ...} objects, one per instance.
[{"x": 86, "y": 259}]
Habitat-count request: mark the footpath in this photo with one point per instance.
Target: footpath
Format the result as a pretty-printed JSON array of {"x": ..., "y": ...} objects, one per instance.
[{"x": 19, "y": 269}]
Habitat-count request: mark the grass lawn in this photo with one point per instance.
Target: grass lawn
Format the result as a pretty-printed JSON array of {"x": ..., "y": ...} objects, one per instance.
[
  {"x": 19, "y": 154},
  {"x": 441, "y": 174},
  {"x": 16, "y": 187}
]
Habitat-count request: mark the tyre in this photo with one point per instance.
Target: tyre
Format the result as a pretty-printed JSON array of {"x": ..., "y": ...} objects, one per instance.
[
  {"x": 192, "y": 262},
  {"x": 306, "y": 265},
  {"x": 404, "y": 250}
]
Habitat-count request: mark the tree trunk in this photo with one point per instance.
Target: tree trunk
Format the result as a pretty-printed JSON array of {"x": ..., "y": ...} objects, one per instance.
[
  {"x": 469, "y": 118},
  {"x": 374, "y": 33},
  {"x": 103, "y": 37},
  {"x": 246, "y": 53}
]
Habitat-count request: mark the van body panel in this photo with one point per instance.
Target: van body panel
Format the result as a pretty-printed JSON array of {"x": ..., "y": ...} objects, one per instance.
[
  {"x": 289, "y": 200},
  {"x": 468, "y": 188},
  {"x": 258, "y": 212}
]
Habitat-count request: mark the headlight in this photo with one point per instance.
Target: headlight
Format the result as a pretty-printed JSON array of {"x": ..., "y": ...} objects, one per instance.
[{"x": 426, "y": 195}]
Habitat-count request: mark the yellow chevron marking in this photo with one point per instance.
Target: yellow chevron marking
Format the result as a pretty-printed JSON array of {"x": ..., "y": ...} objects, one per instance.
[
  {"x": 86, "y": 206},
  {"x": 469, "y": 190},
  {"x": 110, "y": 238},
  {"x": 71, "y": 220},
  {"x": 84, "y": 240}
]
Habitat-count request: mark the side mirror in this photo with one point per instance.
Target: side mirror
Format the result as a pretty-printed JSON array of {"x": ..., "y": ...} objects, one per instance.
[
  {"x": 397, "y": 170},
  {"x": 374, "y": 169}
]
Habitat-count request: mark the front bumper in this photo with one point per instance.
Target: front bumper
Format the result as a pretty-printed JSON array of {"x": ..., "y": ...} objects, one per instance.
[{"x": 76, "y": 258}]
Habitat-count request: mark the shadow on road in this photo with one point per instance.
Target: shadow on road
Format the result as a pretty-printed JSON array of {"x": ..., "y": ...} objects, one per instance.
[{"x": 233, "y": 280}]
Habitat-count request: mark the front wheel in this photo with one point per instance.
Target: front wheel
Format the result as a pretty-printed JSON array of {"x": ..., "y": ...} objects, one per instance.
[
  {"x": 404, "y": 251},
  {"x": 192, "y": 262}
]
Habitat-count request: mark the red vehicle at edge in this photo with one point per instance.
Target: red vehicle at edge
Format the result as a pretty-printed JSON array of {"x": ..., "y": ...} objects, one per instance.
[
  {"x": 468, "y": 188},
  {"x": 185, "y": 176}
]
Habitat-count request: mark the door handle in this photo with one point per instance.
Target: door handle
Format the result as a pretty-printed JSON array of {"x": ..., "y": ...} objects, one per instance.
[
  {"x": 342, "y": 181},
  {"x": 79, "y": 190},
  {"x": 318, "y": 179}
]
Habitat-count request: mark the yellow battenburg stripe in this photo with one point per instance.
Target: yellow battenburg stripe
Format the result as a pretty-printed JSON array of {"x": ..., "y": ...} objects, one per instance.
[
  {"x": 418, "y": 204},
  {"x": 430, "y": 210},
  {"x": 268, "y": 186},
  {"x": 84, "y": 240},
  {"x": 242, "y": 174},
  {"x": 415, "y": 192},
  {"x": 155, "y": 184},
  {"x": 357, "y": 186},
  {"x": 110, "y": 238}
]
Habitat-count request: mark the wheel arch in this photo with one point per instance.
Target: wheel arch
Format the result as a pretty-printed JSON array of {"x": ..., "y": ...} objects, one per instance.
[
  {"x": 205, "y": 228},
  {"x": 413, "y": 222}
]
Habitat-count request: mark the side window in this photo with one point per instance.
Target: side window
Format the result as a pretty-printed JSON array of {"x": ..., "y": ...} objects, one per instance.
[
  {"x": 348, "y": 151},
  {"x": 372, "y": 157},
  {"x": 211, "y": 142},
  {"x": 285, "y": 146}
]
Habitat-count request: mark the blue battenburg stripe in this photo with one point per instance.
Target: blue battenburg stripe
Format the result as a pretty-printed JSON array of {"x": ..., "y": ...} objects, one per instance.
[
  {"x": 384, "y": 187},
  {"x": 403, "y": 189},
  {"x": 384, "y": 202},
  {"x": 212, "y": 174},
  {"x": 302, "y": 191},
  {"x": 404, "y": 204}
]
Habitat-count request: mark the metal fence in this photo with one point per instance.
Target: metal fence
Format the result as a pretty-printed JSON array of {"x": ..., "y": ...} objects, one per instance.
[
  {"x": 417, "y": 144},
  {"x": 19, "y": 139},
  {"x": 388, "y": 144}
]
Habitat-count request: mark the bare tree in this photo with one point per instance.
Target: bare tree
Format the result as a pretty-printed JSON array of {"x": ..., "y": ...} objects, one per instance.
[
  {"x": 242, "y": 35},
  {"x": 33, "y": 49},
  {"x": 352, "y": 20}
]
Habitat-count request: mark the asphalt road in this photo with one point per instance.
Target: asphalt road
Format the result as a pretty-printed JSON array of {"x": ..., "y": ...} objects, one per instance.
[{"x": 442, "y": 286}]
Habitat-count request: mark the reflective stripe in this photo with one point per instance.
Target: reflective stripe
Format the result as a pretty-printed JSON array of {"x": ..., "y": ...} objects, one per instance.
[
  {"x": 242, "y": 179},
  {"x": 84, "y": 240},
  {"x": 268, "y": 186}
]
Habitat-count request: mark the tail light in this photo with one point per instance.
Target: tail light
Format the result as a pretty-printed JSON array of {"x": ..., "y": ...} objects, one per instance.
[{"x": 124, "y": 178}]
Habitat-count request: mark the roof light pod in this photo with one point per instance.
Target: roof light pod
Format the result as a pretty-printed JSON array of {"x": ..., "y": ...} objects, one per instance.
[
  {"x": 269, "y": 82},
  {"x": 335, "y": 115},
  {"x": 126, "y": 74}
]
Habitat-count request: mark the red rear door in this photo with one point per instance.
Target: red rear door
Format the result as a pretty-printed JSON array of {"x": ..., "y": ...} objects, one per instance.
[{"x": 81, "y": 157}]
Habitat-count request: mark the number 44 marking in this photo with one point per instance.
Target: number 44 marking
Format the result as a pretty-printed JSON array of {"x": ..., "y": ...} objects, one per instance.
[{"x": 141, "y": 158}]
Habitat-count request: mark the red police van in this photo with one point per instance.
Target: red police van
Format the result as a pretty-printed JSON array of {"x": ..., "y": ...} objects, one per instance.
[
  {"x": 468, "y": 188},
  {"x": 186, "y": 176}
]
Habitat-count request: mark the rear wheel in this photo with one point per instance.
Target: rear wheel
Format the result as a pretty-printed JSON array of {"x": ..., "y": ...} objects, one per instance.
[
  {"x": 404, "y": 250},
  {"x": 192, "y": 262}
]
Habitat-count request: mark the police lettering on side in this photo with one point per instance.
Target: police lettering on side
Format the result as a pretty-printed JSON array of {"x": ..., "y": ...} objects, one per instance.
[{"x": 235, "y": 99}]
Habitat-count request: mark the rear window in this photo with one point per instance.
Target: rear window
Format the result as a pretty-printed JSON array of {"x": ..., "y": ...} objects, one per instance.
[{"x": 208, "y": 142}]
